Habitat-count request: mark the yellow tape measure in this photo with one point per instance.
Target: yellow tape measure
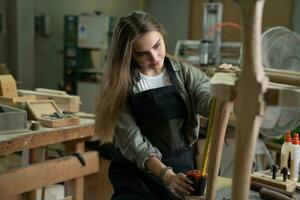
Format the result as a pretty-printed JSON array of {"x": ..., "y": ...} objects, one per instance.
[{"x": 208, "y": 136}]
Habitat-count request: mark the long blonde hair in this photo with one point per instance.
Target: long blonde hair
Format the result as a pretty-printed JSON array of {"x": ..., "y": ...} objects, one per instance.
[{"x": 117, "y": 81}]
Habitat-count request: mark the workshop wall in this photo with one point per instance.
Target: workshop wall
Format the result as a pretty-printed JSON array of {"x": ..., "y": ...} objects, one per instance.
[
  {"x": 174, "y": 15},
  {"x": 20, "y": 41},
  {"x": 2, "y": 31},
  {"x": 49, "y": 50}
]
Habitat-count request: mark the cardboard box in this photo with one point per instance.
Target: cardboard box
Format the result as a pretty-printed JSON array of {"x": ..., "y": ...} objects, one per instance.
[
  {"x": 12, "y": 119},
  {"x": 8, "y": 86}
]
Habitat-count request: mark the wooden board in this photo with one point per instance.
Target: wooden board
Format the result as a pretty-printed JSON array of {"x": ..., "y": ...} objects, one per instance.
[
  {"x": 12, "y": 101},
  {"x": 8, "y": 86},
  {"x": 223, "y": 87},
  {"x": 283, "y": 76},
  {"x": 46, "y": 173},
  {"x": 45, "y": 136},
  {"x": 283, "y": 95},
  {"x": 69, "y": 103},
  {"x": 14, "y": 131},
  {"x": 59, "y": 122},
  {"x": 265, "y": 177},
  {"x": 87, "y": 115}
]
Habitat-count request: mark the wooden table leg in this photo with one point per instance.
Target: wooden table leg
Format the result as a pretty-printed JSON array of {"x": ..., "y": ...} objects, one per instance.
[
  {"x": 221, "y": 117},
  {"x": 75, "y": 187},
  {"x": 28, "y": 157}
]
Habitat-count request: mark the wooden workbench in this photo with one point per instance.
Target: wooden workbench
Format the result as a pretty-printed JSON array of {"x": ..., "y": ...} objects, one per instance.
[{"x": 14, "y": 182}]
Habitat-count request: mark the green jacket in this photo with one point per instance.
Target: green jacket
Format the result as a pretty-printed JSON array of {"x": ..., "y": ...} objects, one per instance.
[{"x": 194, "y": 88}]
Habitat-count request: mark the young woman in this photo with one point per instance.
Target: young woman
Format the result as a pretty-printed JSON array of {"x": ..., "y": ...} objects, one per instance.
[{"x": 150, "y": 105}]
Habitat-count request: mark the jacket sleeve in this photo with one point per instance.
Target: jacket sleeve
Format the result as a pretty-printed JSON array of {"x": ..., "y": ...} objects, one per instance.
[
  {"x": 198, "y": 86},
  {"x": 133, "y": 145}
]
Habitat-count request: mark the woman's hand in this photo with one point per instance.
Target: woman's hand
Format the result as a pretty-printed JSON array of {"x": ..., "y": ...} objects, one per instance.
[{"x": 179, "y": 184}]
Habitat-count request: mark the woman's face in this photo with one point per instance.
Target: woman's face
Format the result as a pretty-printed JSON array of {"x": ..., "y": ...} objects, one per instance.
[{"x": 149, "y": 52}]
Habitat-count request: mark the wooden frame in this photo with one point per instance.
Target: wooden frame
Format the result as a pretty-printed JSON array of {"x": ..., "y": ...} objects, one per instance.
[{"x": 250, "y": 93}]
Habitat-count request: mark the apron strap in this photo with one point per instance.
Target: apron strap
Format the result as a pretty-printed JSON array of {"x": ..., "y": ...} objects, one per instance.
[{"x": 170, "y": 71}]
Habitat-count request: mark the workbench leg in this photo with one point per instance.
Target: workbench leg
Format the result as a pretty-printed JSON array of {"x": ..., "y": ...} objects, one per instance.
[
  {"x": 97, "y": 186},
  {"x": 75, "y": 187},
  {"x": 28, "y": 157},
  {"x": 220, "y": 122}
]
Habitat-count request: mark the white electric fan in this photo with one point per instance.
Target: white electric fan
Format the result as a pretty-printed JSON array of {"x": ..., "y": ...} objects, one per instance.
[{"x": 280, "y": 50}]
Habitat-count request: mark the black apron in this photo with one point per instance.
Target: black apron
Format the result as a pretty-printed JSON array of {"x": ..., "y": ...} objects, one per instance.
[{"x": 160, "y": 115}]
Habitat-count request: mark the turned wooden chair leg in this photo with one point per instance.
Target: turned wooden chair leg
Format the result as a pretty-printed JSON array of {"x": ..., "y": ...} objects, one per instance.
[
  {"x": 249, "y": 104},
  {"x": 221, "y": 117}
]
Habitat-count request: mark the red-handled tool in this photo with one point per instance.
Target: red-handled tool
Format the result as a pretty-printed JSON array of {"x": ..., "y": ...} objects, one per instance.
[{"x": 199, "y": 182}]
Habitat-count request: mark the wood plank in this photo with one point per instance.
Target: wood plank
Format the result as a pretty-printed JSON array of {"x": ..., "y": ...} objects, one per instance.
[
  {"x": 8, "y": 86},
  {"x": 223, "y": 87},
  {"x": 51, "y": 91},
  {"x": 70, "y": 103},
  {"x": 45, "y": 136},
  {"x": 60, "y": 122},
  {"x": 282, "y": 95},
  {"x": 283, "y": 76},
  {"x": 262, "y": 177},
  {"x": 12, "y": 101},
  {"x": 21, "y": 180}
]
